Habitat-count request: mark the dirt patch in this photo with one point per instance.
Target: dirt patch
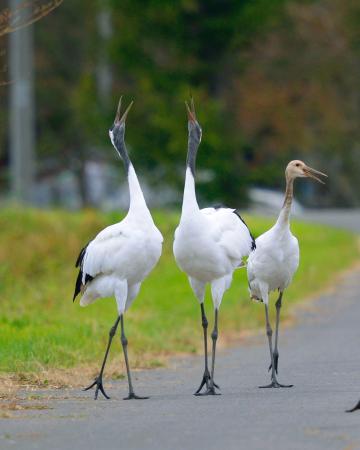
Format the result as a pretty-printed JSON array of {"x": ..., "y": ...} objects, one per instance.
[{"x": 74, "y": 377}]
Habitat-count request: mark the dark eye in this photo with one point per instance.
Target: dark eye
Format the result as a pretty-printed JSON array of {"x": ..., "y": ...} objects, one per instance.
[{"x": 297, "y": 165}]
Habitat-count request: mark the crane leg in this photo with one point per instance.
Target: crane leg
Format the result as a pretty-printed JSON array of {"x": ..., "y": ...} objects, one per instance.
[
  {"x": 98, "y": 380},
  {"x": 124, "y": 343},
  {"x": 276, "y": 351},
  {"x": 357, "y": 406},
  {"x": 206, "y": 377},
  {"x": 274, "y": 382},
  {"x": 214, "y": 335}
]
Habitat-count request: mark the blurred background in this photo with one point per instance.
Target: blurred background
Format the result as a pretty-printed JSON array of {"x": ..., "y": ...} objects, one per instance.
[{"x": 272, "y": 81}]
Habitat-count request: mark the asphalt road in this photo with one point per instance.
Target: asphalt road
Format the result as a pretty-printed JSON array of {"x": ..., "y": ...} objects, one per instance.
[{"x": 319, "y": 355}]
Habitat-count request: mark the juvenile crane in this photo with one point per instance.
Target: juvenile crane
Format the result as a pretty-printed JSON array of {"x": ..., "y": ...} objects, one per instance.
[
  {"x": 120, "y": 257},
  {"x": 209, "y": 245},
  {"x": 276, "y": 258}
]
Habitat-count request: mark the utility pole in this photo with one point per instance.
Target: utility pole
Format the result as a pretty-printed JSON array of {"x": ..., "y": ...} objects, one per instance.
[
  {"x": 103, "y": 70},
  {"x": 22, "y": 111}
]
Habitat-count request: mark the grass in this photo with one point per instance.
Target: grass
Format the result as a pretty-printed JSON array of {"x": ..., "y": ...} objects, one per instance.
[{"x": 42, "y": 331}]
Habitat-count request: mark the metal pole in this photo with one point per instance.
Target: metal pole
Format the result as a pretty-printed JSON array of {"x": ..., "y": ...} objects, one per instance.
[
  {"x": 103, "y": 69},
  {"x": 22, "y": 119}
]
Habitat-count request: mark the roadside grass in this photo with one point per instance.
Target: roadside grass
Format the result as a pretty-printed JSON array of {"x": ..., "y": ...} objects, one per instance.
[{"x": 42, "y": 333}]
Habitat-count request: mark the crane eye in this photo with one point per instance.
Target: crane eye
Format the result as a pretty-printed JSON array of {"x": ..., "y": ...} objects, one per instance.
[{"x": 297, "y": 165}]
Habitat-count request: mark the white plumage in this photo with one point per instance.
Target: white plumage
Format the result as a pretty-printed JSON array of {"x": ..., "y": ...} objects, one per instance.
[
  {"x": 121, "y": 256},
  {"x": 209, "y": 245},
  {"x": 275, "y": 260}
]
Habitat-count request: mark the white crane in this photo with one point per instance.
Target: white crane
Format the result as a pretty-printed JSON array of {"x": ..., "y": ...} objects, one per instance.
[
  {"x": 120, "y": 257},
  {"x": 276, "y": 258},
  {"x": 209, "y": 245}
]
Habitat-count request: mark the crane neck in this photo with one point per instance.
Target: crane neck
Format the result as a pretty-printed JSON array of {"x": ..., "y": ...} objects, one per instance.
[
  {"x": 189, "y": 200},
  {"x": 193, "y": 146},
  {"x": 137, "y": 201},
  {"x": 284, "y": 215},
  {"x": 190, "y": 204},
  {"x": 118, "y": 141}
]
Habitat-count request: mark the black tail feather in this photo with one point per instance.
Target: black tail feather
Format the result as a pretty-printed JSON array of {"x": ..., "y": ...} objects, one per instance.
[
  {"x": 79, "y": 263},
  {"x": 253, "y": 244}
]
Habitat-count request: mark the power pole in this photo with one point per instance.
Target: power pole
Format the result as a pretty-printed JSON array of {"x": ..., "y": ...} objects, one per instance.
[
  {"x": 103, "y": 70},
  {"x": 22, "y": 111}
]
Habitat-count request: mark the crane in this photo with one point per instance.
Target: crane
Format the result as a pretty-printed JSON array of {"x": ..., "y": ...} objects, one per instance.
[
  {"x": 209, "y": 245},
  {"x": 276, "y": 258},
  {"x": 120, "y": 257}
]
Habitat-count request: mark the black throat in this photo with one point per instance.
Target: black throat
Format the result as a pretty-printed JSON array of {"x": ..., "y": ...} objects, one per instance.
[
  {"x": 119, "y": 143},
  {"x": 193, "y": 145}
]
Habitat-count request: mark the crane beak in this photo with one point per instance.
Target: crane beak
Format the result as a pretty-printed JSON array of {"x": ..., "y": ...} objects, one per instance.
[
  {"x": 118, "y": 118},
  {"x": 191, "y": 111},
  {"x": 312, "y": 173}
]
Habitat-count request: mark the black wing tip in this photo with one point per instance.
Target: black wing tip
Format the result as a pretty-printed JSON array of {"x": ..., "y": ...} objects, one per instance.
[
  {"x": 80, "y": 258},
  {"x": 79, "y": 283},
  {"x": 253, "y": 243},
  {"x": 78, "y": 263}
]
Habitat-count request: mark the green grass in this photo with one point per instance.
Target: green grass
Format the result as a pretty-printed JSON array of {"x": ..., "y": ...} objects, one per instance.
[{"x": 40, "y": 327}]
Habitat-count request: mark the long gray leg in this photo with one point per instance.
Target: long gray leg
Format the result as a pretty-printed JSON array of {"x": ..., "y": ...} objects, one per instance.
[
  {"x": 276, "y": 351},
  {"x": 274, "y": 382},
  {"x": 98, "y": 380},
  {"x": 214, "y": 336},
  {"x": 206, "y": 376},
  {"x": 124, "y": 343}
]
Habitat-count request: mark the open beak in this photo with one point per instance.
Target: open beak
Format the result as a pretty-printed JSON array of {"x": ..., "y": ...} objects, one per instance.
[
  {"x": 312, "y": 173},
  {"x": 118, "y": 118},
  {"x": 191, "y": 111}
]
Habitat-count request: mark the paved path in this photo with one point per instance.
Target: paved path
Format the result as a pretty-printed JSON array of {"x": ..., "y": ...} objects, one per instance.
[
  {"x": 342, "y": 218},
  {"x": 320, "y": 355}
]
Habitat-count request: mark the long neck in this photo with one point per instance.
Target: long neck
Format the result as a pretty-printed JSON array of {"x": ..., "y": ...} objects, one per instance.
[
  {"x": 189, "y": 200},
  {"x": 137, "y": 200},
  {"x": 285, "y": 210}
]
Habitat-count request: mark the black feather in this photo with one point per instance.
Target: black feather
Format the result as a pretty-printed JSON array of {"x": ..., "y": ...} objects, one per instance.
[
  {"x": 253, "y": 245},
  {"x": 79, "y": 263},
  {"x": 81, "y": 255}
]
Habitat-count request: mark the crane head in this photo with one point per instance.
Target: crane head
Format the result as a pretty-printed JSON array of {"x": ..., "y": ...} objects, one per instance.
[
  {"x": 119, "y": 122},
  {"x": 194, "y": 127},
  {"x": 298, "y": 169}
]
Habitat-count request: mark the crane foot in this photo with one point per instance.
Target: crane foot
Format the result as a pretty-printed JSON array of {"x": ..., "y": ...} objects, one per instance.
[
  {"x": 133, "y": 396},
  {"x": 276, "y": 384},
  {"x": 99, "y": 387},
  {"x": 357, "y": 406},
  {"x": 209, "y": 391},
  {"x": 206, "y": 381}
]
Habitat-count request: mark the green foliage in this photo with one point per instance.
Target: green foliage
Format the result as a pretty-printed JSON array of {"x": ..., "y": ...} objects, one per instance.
[
  {"x": 159, "y": 53},
  {"x": 42, "y": 328}
]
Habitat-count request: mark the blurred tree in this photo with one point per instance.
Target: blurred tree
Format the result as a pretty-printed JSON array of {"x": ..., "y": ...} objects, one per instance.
[{"x": 299, "y": 97}]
